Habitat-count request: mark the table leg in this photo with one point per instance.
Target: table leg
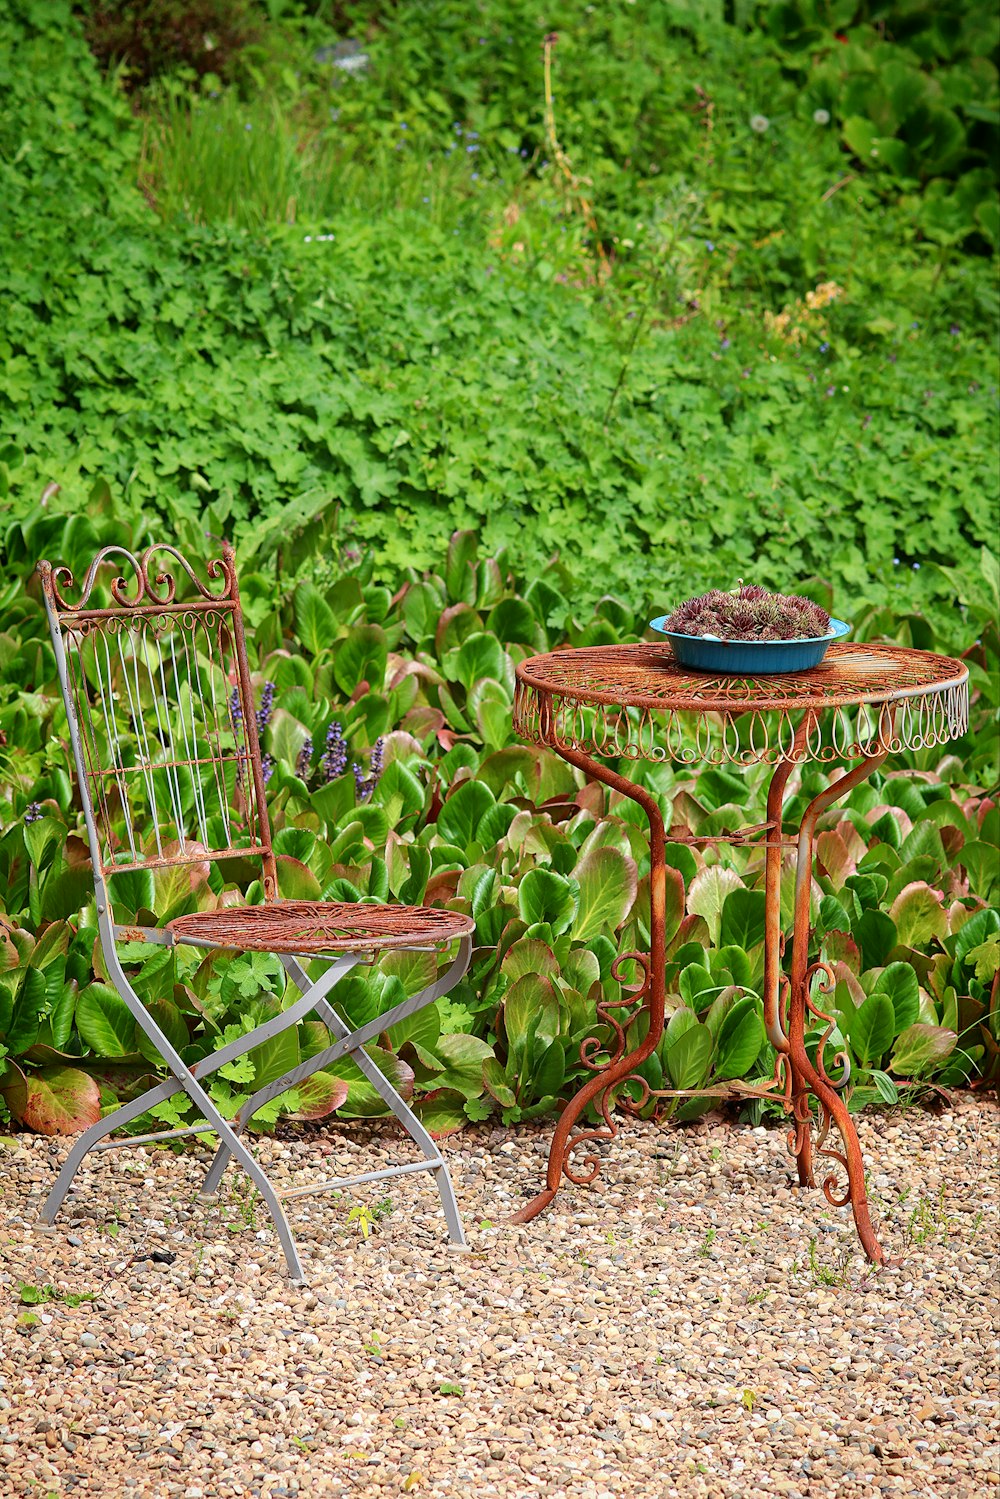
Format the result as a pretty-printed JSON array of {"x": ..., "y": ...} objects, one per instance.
[
  {"x": 649, "y": 995},
  {"x": 809, "y": 1077}
]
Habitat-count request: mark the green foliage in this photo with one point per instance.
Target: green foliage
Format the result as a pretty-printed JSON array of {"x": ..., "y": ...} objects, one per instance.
[
  {"x": 556, "y": 877},
  {"x": 341, "y": 348},
  {"x": 444, "y": 395}
]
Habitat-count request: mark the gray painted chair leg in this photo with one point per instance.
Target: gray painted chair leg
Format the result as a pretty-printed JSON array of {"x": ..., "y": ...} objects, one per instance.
[
  {"x": 368, "y": 1068},
  {"x": 407, "y": 1118},
  {"x": 91, "y": 1137}
]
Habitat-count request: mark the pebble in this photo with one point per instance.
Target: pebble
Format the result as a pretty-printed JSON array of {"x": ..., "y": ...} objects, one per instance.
[{"x": 693, "y": 1326}]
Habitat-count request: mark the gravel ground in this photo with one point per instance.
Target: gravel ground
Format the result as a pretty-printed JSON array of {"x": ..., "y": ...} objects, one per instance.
[{"x": 691, "y": 1325}]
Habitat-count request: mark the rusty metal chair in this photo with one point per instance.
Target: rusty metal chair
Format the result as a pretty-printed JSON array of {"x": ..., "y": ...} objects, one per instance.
[{"x": 164, "y": 737}]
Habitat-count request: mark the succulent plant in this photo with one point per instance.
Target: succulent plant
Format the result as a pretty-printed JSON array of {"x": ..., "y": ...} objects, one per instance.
[{"x": 750, "y": 613}]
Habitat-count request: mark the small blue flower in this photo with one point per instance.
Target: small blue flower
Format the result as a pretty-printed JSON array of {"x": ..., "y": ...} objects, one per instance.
[
  {"x": 709, "y": 246},
  {"x": 33, "y": 812},
  {"x": 725, "y": 343},
  {"x": 248, "y": 126},
  {"x": 402, "y": 125},
  {"x": 954, "y": 330},
  {"x": 823, "y": 347}
]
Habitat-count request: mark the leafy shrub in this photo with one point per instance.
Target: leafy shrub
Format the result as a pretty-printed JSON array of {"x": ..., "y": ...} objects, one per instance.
[
  {"x": 734, "y": 342},
  {"x": 555, "y": 873}
]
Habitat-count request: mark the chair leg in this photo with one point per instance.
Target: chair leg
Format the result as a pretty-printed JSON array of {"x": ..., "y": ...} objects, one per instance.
[
  {"x": 352, "y": 1044},
  {"x": 85, "y": 1143},
  {"x": 315, "y": 993},
  {"x": 192, "y": 1086}
]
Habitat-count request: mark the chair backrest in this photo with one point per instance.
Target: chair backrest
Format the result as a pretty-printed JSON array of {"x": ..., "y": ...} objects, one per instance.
[{"x": 161, "y": 711}]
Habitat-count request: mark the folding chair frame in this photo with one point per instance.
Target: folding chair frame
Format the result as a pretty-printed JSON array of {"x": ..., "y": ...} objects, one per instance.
[{"x": 315, "y": 994}]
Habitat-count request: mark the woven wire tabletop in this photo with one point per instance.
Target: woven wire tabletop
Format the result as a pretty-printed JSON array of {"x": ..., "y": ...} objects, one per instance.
[{"x": 636, "y": 702}]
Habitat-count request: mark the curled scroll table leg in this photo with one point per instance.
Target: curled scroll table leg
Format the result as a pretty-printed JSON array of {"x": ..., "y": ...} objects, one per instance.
[
  {"x": 806, "y": 1073},
  {"x": 650, "y": 994}
]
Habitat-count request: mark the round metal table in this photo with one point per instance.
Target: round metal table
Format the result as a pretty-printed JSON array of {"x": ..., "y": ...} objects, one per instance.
[{"x": 636, "y": 702}]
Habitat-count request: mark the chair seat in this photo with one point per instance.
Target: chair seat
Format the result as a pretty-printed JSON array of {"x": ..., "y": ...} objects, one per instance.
[{"x": 304, "y": 926}]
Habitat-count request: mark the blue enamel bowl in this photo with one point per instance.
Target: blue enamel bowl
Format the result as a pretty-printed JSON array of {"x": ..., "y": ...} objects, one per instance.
[{"x": 749, "y": 658}]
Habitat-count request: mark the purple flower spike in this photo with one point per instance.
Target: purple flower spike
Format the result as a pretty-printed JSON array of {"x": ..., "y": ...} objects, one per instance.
[
  {"x": 235, "y": 710},
  {"x": 267, "y": 768},
  {"x": 266, "y": 705},
  {"x": 33, "y": 811},
  {"x": 335, "y": 754},
  {"x": 303, "y": 764}
]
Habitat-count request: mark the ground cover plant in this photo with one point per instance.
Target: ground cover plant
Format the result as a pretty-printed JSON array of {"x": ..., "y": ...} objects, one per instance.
[
  {"x": 393, "y": 774},
  {"x": 410, "y": 328},
  {"x": 394, "y": 292}
]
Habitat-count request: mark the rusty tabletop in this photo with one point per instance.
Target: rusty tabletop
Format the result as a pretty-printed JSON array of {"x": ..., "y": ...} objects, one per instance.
[{"x": 631, "y": 703}]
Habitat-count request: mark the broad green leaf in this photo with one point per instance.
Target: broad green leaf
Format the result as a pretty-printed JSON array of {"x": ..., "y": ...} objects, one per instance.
[
  {"x": 530, "y": 1010},
  {"x": 608, "y": 882},
  {"x": 414, "y": 970},
  {"x": 707, "y": 895},
  {"x": 875, "y": 934},
  {"x": 295, "y": 880},
  {"x": 921, "y": 1048},
  {"x": 544, "y": 896},
  {"x": 314, "y": 619},
  {"x": 399, "y": 792},
  {"x": 496, "y": 1083},
  {"x": 442, "y": 1112},
  {"x": 361, "y": 657},
  {"x": 478, "y": 658},
  {"x": 29, "y": 1007},
  {"x": 105, "y": 1022},
  {"x": 363, "y": 1099},
  {"x": 168, "y": 1017},
  {"x": 687, "y": 1057},
  {"x": 697, "y": 986},
  {"x": 464, "y": 1057},
  {"x": 54, "y": 1100},
  {"x": 320, "y": 1095},
  {"x": 460, "y": 816},
  {"x": 529, "y": 955},
  {"x": 899, "y": 982},
  {"x": 884, "y": 1086},
  {"x": 743, "y": 918},
  {"x": 919, "y": 916},
  {"x": 459, "y": 572},
  {"x": 740, "y": 1039},
  {"x": 872, "y": 1028}
]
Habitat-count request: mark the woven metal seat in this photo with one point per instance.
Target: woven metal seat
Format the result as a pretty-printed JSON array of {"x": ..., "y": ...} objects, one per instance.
[
  {"x": 303, "y": 927},
  {"x": 163, "y": 725}
]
